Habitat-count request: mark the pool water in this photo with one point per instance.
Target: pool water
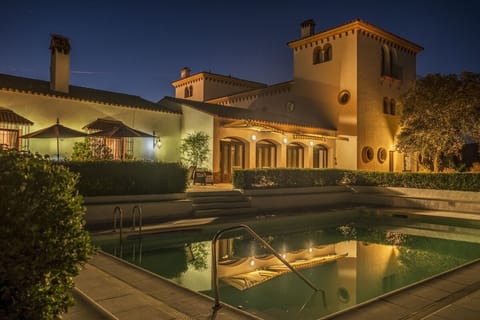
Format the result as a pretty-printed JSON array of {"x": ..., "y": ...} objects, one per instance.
[{"x": 351, "y": 257}]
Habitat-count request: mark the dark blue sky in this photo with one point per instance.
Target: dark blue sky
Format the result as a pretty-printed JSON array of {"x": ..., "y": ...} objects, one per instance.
[{"x": 139, "y": 47}]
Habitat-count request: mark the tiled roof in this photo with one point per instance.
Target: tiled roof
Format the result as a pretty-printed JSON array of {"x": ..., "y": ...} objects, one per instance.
[
  {"x": 28, "y": 85},
  {"x": 8, "y": 116},
  {"x": 240, "y": 113}
]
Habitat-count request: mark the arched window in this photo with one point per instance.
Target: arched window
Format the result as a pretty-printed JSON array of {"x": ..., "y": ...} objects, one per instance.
[
  {"x": 386, "y": 105},
  {"x": 386, "y": 61},
  {"x": 327, "y": 52},
  {"x": 393, "y": 107},
  {"x": 266, "y": 154},
  {"x": 320, "y": 156},
  {"x": 394, "y": 70},
  {"x": 317, "y": 55},
  {"x": 294, "y": 156},
  {"x": 188, "y": 91},
  {"x": 232, "y": 156}
]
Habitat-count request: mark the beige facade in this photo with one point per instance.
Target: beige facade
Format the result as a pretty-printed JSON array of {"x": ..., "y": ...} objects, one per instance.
[
  {"x": 348, "y": 79},
  {"x": 340, "y": 110}
]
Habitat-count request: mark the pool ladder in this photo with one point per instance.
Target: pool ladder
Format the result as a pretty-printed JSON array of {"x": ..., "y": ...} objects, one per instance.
[
  {"x": 257, "y": 237},
  {"x": 118, "y": 217}
]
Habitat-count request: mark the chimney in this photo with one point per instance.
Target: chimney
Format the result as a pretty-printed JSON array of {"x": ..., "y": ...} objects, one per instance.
[
  {"x": 307, "y": 28},
  {"x": 59, "y": 63},
  {"x": 185, "y": 72}
]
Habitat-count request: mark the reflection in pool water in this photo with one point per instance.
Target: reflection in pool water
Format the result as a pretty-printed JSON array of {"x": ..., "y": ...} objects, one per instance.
[{"x": 351, "y": 258}]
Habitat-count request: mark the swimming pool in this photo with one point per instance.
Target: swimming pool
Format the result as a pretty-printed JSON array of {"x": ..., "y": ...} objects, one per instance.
[{"x": 351, "y": 256}]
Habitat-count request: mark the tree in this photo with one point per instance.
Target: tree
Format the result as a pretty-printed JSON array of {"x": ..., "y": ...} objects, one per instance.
[
  {"x": 440, "y": 116},
  {"x": 42, "y": 237},
  {"x": 194, "y": 149}
]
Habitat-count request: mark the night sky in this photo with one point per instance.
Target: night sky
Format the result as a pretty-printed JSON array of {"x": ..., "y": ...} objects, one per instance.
[{"x": 138, "y": 47}]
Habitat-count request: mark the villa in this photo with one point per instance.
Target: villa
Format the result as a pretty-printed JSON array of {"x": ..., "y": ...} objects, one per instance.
[{"x": 340, "y": 110}]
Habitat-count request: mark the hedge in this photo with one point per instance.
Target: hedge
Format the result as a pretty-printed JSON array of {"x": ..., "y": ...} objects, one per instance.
[
  {"x": 101, "y": 178},
  {"x": 295, "y": 178}
]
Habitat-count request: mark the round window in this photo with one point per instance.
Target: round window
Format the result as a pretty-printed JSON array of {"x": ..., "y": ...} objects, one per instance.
[
  {"x": 344, "y": 97},
  {"x": 367, "y": 154},
  {"x": 343, "y": 295},
  {"x": 381, "y": 155}
]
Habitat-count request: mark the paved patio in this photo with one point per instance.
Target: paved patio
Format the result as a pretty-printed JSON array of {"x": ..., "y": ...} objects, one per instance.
[{"x": 111, "y": 289}]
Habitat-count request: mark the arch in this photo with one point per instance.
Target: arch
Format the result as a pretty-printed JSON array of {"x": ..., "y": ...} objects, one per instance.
[
  {"x": 317, "y": 55},
  {"x": 188, "y": 91},
  {"x": 295, "y": 155},
  {"x": 386, "y": 62},
  {"x": 320, "y": 156},
  {"x": 327, "y": 52},
  {"x": 232, "y": 156},
  {"x": 265, "y": 154},
  {"x": 393, "y": 63}
]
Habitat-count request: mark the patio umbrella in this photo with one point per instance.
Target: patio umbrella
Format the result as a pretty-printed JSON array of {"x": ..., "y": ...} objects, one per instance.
[
  {"x": 121, "y": 131},
  {"x": 57, "y": 131}
]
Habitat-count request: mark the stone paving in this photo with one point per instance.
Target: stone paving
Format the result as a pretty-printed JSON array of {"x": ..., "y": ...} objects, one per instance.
[{"x": 111, "y": 289}]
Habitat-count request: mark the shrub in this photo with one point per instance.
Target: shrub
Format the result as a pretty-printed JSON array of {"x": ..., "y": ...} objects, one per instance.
[
  {"x": 42, "y": 237},
  {"x": 99, "y": 178},
  {"x": 290, "y": 178}
]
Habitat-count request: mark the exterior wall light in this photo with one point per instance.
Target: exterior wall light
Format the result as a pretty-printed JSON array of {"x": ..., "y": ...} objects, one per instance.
[
  {"x": 285, "y": 140},
  {"x": 311, "y": 143},
  {"x": 156, "y": 141},
  {"x": 254, "y": 137}
]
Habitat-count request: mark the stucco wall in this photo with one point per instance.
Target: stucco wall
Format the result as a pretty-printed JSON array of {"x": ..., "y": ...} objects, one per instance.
[
  {"x": 196, "y": 121},
  {"x": 44, "y": 110}
]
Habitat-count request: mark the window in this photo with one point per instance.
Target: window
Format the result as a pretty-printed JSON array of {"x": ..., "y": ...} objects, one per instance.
[
  {"x": 381, "y": 155},
  {"x": 367, "y": 154},
  {"x": 317, "y": 55},
  {"x": 343, "y": 97},
  {"x": 294, "y": 156},
  {"x": 322, "y": 54},
  {"x": 320, "y": 156},
  {"x": 390, "y": 67},
  {"x": 386, "y": 109},
  {"x": 9, "y": 139},
  {"x": 120, "y": 148},
  {"x": 266, "y": 154},
  {"x": 327, "y": 52},
  {"x": 393, "y": 107},
  {"x": 386, "y": 71},
  {"x": 188, "y": 91}
]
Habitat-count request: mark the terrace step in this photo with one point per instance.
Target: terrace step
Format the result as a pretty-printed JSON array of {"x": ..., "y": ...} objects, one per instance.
[
  {"x": 207, "y": 204},
  {"x": 225, "y": 212}
]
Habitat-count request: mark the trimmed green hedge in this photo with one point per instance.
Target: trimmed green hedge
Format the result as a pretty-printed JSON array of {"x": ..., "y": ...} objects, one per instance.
[
  {"x": 101, "y": 178},
  {"x": 296, "y": 178}
]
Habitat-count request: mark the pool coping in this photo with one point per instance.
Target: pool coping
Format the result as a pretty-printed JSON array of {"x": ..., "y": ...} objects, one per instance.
[{"x": 380, "y": 307}]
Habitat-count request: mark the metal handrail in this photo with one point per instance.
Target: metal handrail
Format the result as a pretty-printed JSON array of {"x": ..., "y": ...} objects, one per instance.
[
  {"x": 137, "y": 211},
  {"x": 256, "y": 236},
  {"x": 118, "y": 212}
]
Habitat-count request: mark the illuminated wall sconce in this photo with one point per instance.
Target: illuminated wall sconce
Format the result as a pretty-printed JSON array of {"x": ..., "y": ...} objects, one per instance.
[
  {"x": 285, "y": 140},
  {"x": 252, "y": 263},
  {"x": 156, "y": 141},
  {"x": 311, "y": 143},
  {"x": 254, "y": 137}
]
